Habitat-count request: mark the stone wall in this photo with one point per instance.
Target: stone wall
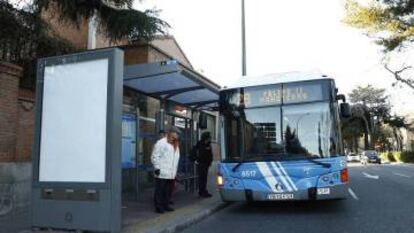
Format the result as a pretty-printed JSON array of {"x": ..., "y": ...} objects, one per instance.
[
  {"x": 15, "y": 187},
  {"x": 25, "y": 125},
  {"x": 16, "y": 133}
]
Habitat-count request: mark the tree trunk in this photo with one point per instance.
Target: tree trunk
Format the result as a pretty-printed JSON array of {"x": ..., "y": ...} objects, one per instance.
[
  {"x": 400, "y": 139},
  {"x": 355, "y": 144},
  {"x": 366, "y": 133},
  {"x": 397, "y": 138}
]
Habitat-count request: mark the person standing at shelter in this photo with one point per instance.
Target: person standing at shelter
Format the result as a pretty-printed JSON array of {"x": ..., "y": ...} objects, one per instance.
[
  {"x": 203, "y": 156},
  {"x": 161, "y": 134},
  {"x": 165, "y": 157}
]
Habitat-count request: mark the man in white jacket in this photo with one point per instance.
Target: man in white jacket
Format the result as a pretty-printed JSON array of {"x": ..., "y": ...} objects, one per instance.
[{"x": 165, "y": 157}]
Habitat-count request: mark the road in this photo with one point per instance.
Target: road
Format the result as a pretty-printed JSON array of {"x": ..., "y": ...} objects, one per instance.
[{"x": 381, "y": 200}]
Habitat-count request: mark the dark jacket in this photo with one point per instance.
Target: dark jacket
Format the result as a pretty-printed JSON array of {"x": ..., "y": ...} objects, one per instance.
[{"x": 202, "y": 153}]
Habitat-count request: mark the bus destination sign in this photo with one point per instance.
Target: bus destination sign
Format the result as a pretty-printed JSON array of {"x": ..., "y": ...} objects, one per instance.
[{"x": 272, "y": 95}]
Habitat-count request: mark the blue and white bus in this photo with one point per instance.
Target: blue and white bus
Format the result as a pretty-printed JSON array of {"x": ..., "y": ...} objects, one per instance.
[{"x": 281, "y": 140}]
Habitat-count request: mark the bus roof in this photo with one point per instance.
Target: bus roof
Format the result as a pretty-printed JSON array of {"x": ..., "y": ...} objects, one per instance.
[{"x": 295, "y": 76}]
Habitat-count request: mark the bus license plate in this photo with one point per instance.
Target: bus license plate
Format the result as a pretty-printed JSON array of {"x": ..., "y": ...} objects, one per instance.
[
  {"x": 324, "y": 191},
  {"x": 280, "y": 196}
]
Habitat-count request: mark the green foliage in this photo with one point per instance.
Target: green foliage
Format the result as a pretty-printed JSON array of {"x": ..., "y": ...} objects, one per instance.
[
  {"x": 371, "y": 115},
  {"x": 391, "y": 157},
  {"x": 398, "y": 156},
  {"x": 115, "y": 18},
  {"x": 370, "y": 107},
  {"x": 387, "y": 156},
  {"x": 397, "y": 122},
  {"x": 407, "y": 156},
  {"x": 352, "y": 129},
  {"x": 389, "y": 21},
  {"x": 375, "y": 99},
  {"x": 24, "y": 36},
  {"x": 382, "y": 136}
]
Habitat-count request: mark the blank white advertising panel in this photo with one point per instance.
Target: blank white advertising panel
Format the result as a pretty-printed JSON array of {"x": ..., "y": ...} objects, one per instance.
[{"x": 73, "y": 127}]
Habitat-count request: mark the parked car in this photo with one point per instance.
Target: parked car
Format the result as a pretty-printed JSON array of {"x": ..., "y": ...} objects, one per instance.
[
  {"x": 352, "y": 157},
  {"x": 370, "y": 156}
]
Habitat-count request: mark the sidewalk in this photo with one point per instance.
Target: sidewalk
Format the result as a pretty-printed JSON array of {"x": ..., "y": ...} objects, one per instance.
[{"x": 139, "y": 217}]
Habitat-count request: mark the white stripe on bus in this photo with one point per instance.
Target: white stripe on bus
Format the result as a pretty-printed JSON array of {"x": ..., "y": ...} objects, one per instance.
[
  {"x": 287, "y": 176},
  {"x": 282, "y": 177},
  {"x": 267, "y": 175}
]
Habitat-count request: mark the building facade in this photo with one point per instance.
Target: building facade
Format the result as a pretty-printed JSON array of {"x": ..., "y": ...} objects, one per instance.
[{"x": 141, "y": 115}]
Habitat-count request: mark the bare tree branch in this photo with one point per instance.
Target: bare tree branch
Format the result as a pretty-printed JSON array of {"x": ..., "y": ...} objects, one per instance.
[{"x": 397, "y": 75}]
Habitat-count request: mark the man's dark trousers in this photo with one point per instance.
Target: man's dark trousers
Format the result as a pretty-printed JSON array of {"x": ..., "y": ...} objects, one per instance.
[
  {"x": 163, "y": 190},
  {"x": 202, "y": 177}
]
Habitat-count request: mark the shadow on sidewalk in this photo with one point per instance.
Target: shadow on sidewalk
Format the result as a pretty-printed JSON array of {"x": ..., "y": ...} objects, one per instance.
[{"x": 140, "y": 215}]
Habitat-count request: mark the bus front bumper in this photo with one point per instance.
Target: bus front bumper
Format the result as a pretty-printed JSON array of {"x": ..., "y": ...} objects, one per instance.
[{"x": 320, "y": 193}]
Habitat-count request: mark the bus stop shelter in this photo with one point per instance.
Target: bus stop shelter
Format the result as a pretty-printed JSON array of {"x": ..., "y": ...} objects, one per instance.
[
  {"x": 170, "y": 81},
  {"x": 77, "y": 150}
]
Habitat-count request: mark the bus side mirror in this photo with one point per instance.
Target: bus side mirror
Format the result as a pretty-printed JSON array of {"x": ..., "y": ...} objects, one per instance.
[
  {"x": 345, "y": 110},
  {"x": 202, "y": 121}
]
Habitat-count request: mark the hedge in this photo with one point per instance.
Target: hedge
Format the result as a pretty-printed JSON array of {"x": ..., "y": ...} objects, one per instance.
[
  {"x": 407, "y": 156},
  {"x": 398, "y": 156}
]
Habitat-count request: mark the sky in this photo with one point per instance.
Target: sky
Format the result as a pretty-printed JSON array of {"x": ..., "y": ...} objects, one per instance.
[
  {"x": 282, "y": 36},
  {"x": 294, "y": 35}
]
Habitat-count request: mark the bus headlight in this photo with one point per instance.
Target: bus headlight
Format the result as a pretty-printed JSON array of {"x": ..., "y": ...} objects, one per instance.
[{"x": 220, "y": 180}]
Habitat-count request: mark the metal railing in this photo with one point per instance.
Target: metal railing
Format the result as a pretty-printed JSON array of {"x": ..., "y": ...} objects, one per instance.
[{"x": 187, "y": 175}]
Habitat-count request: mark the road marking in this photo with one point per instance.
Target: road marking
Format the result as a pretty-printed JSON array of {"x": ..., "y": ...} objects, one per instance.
[
  {"x": 370, "y": 176},
  {"x": 400, "y": 174},
  {"x": 353, "y": 194}
]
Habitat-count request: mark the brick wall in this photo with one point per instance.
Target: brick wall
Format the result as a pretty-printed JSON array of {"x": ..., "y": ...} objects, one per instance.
[
  {"x": 156, "y": 56},
  {"x": 16, "y": 116},
  {"x": 136, "y": 55},
  {"x": 169, "y": 45},
  {"x": 9, "y": 86},
  {"x": 25, "y": 125},
  {"x": 77, "y": 35}
]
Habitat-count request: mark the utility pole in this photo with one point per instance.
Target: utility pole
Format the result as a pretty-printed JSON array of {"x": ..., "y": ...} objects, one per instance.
[{"x": 243, "y": 29}]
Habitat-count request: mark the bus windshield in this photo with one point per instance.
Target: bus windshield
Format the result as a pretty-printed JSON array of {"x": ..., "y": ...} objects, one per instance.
[{"x": 283, "y": 132}]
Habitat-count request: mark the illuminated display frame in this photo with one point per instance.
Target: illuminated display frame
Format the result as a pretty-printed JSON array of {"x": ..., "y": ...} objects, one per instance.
[{"x": 74, "y": 204}]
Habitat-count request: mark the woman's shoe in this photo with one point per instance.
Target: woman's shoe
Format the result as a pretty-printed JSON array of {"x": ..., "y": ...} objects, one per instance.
[
  {"x": 207, "y": 195},
  {"x": 168, "y": 208},
  {"x": 159, "y": 210}
]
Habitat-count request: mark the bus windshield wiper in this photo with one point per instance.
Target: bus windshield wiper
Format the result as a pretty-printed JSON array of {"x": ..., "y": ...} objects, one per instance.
[
  {"x": 242, "y": 160},
  {"x": 326, "y": 165},
  {"x": 234, "y": 169}
]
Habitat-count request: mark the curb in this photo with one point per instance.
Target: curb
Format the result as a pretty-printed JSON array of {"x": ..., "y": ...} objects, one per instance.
[
  {"x": 181, "y": 225},
  {"x": 189, "y": 216}
]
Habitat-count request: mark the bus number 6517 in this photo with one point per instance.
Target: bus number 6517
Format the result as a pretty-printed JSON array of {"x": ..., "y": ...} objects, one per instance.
[{"x": 248, "y": 173}]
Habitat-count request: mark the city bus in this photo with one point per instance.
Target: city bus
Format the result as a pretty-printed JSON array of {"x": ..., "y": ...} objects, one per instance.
[{"x": 281, "y": 139}]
